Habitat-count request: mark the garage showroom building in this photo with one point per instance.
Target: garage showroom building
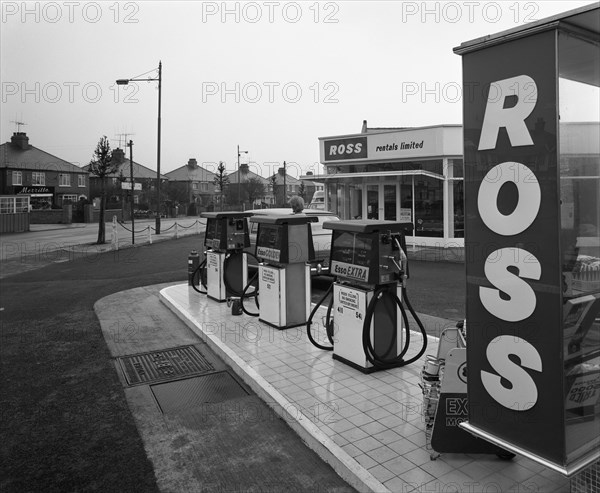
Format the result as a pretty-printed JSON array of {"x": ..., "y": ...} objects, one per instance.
[{"x": 413, "y": 175}]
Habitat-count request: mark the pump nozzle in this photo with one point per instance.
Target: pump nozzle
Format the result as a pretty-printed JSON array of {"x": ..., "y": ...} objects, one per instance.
[{"x": 403, "y": 263}]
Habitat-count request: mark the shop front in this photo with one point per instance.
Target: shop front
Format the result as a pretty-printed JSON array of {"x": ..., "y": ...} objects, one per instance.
[
  {"x": 410, "y": 175},
  {"x": 41, "y": 197}
]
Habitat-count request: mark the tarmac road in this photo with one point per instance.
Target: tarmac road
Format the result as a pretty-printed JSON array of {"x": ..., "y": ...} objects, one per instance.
[{"x": 65, "y": 423}]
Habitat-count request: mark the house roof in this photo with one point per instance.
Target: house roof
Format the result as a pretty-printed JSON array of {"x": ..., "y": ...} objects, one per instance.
[
  {"x": 187, "y": 173},
  {"x": 289, "y": 180},
  {"x": 32, "y": 158},
  {"x": 139, "y": 170},
  {"x": 245, "y": 176}
]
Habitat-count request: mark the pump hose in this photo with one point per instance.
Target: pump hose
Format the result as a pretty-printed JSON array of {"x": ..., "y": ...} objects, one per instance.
[
  {"x": 197, "y": 271},
  {"x": 328, "y": 324},
  {"x": 228, "y": 287},
  {"x": 381, "y": 361},
  {"x": 253, "y": 295},
  {"x": 243, "y": 294}
]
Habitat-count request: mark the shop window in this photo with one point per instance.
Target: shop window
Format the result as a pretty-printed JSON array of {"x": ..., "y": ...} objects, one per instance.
[
  {"x": 22, "y": 204},
  {"x": 457, "y": 168},
  {"x": 194, "y": 186},
  {"x": 11, "y": 205},
  {"x": 67, "y": 199},
  {"x": 38, "y": 178},
  {"x": 579, "y": 109},
  {"x": 17, "y": 178},
  {"x": 7, "y": 205},
  {"x": 81, "y": 180},
  {"x": 458, "y": 205},
  {"x": 64, "y": 180},
  {"x": 429, "y": 207}
]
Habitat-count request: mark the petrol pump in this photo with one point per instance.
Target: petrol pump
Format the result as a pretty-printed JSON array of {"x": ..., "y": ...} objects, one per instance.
[
  {"x": 226, "y": 264},
  {"x": 369, "y": 261},
  {"x": 284, "y": 246}
]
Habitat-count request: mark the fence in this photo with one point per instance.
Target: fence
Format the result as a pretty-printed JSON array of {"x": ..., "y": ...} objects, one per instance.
[{"x": 129, "y": 236}]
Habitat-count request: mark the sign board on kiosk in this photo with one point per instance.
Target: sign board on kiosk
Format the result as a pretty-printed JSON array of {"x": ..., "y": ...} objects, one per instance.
[
  {"x": 520, "y": 253},
  {"x": 226, "y": 230},
  {"x": 284, "y": 239},
  {"x": 360, "y": 251}
]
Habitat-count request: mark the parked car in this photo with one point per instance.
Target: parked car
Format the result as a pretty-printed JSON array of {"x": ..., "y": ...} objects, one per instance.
[
  {"x": 318, "y": 201},
  {"x": 321, "y": 237}
]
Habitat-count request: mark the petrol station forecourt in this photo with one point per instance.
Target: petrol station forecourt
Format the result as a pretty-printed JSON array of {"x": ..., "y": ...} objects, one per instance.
[{"x": 382, "y": 407}]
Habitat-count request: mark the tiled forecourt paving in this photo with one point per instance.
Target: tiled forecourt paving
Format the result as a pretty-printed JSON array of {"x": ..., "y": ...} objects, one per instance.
[{"x": 370, "y": 428}]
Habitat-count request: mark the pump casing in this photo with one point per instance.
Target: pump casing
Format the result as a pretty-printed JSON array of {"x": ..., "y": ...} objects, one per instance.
[
  {"x": 284, "y": 247},
  {"x": 226, "y": 265},
  {"x": 365, "y": 258}
]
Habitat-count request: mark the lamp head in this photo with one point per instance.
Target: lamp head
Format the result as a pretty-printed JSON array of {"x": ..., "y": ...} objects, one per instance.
[{"x": 122, "y": 82}]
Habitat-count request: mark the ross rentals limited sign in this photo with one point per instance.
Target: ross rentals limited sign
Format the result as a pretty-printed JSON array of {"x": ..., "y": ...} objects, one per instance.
[{"x": 425, "y": 142}]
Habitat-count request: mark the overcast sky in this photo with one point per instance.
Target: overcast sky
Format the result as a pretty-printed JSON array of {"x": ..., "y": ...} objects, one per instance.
[{"x": 271, "y": 77}]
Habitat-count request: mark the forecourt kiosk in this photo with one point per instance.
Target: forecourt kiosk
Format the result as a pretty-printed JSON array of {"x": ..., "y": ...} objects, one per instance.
[{"x": 532, "y": 245}]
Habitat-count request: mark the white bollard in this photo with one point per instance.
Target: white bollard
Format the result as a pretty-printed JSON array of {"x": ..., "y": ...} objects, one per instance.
[
  {"x": 197, "y": 226},
  {"x": 114, "y": 239},
  {"x": 176, "y": 231},
  {"x": 149, "y": 235}
]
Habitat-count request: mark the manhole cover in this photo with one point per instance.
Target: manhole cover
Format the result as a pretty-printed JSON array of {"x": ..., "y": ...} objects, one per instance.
[
  {"x": 163, "y": 365},
  {"x": 191, "y": 393}
]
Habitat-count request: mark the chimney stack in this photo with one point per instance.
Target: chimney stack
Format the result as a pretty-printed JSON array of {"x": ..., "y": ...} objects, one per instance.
[
  {"x": 192, "y": 163},
  {"x": 364, "y": 127},
  {"x": 118, "y": 155},
  {"x": 281, "y": 171},
  {"x": 20, "y": 140}
]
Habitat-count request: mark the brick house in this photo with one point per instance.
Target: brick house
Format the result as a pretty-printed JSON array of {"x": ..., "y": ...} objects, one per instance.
[
  {"x": 117, "y": 195},
  {"x": 191, "y": 186},
  {"x": 49, "y": 180}
]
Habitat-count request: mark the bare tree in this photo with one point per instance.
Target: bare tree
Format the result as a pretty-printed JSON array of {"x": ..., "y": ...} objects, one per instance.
[
  {"x": 102, "y": 165},
  {"x": 302, "y": 190},
  {"x": 221, "y": 181},
  {"x": 273, "y": 187}
]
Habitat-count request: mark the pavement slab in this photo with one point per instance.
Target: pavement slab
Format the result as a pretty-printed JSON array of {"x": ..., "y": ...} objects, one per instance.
[{"x": 237, "y": 444}]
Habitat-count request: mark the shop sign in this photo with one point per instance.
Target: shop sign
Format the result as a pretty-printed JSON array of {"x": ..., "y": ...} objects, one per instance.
[
  {"x": 405, "y": 215},
  {"x": 126, "y": 185},
  {"x": 34, "y": 189},
  {"x": 344, "y": 149},
  {"x": 511, "y": 245}
]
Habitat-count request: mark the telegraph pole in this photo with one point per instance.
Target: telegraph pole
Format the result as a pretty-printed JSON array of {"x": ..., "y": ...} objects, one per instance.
[
  {"x": 130, "y": 145},
  {"x": 284, "y": 185}
]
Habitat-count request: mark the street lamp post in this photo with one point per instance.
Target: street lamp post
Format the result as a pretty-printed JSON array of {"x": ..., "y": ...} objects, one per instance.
[
  {"x": 130, "y": 145},
  {"x": 124, "y": 82},
  {"x": 239, "y": 172}
]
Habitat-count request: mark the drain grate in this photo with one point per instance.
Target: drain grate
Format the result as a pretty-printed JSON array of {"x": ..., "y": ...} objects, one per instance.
[
  {"x": 192, "y": 393},
  {"x": 167, "y": 364}
]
